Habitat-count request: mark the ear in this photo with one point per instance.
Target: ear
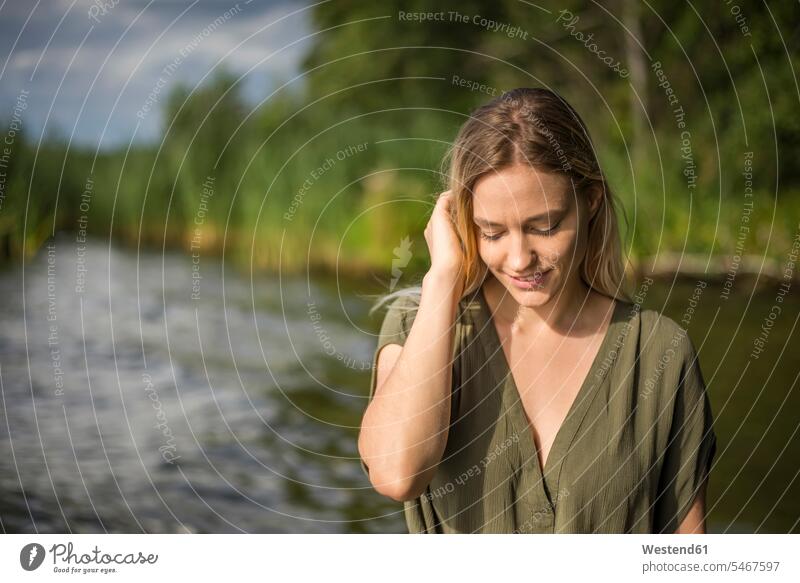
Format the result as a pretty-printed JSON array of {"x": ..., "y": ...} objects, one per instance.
[{"x": 594, "y": 197}]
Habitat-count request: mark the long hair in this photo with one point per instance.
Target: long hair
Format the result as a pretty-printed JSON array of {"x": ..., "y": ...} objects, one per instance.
[{"x": 537, "y": 127}]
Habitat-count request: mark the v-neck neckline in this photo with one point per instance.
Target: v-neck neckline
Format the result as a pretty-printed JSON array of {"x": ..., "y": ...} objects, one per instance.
[{"x": 569, "y": 426}]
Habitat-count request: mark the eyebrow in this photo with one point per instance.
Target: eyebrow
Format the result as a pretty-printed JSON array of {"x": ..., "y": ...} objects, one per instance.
[{"x": 486, "y": 223}]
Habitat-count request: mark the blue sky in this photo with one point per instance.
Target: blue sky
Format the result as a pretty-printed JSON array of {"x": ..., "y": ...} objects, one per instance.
[{"x": 89, "y": 70}]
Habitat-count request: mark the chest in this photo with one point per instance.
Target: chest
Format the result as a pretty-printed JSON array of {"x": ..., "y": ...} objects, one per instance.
[{"x": 548, "y": 374}]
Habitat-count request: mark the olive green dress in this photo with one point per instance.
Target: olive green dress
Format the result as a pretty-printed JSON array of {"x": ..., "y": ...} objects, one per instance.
[{"x": 630, "y": 455}]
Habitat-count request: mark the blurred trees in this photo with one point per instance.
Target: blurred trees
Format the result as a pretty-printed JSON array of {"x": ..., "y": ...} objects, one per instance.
[{"x": 376, "y": 75}]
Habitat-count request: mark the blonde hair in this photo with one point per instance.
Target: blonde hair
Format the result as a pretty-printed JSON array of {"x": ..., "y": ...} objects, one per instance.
[{"x": 536, "y": 127}]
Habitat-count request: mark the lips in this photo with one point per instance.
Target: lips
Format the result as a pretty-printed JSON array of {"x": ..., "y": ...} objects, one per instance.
[{"x": 537, "y": 279}]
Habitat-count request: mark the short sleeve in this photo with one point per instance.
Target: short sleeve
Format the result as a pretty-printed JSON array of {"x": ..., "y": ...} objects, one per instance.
[
  {"x": 690, "y": 447},
  {"x": 395, "y": 329}
]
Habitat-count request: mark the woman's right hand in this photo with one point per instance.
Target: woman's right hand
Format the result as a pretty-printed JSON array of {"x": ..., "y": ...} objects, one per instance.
[{"x": 442, "y": 239}]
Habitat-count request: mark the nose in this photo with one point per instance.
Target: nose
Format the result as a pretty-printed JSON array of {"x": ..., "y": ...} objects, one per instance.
[{"x": 521, "y": 255}]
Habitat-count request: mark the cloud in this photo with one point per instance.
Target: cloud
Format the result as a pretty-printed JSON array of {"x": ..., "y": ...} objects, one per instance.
[{"x": 119, "y": 56}]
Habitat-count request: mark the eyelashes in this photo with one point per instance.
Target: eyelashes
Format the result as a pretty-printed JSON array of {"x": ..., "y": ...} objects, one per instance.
[
  {"x": 489, "y": 237},
  {"x": 549, "y": 231}
]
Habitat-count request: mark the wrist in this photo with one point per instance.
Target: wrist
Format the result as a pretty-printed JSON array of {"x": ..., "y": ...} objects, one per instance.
[{"x": 444, "y": 279}]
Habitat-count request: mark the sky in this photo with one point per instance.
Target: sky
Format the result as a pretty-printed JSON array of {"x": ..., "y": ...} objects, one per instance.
[{"x": 97, "y": 72}]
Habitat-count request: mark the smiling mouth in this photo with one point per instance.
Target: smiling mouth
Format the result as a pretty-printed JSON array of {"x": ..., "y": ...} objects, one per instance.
[
  {"x": 533, "y": 276},
  {"x": 536, "y": 280}
]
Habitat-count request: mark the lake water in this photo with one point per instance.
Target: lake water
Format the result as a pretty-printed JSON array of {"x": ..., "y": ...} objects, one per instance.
[{"x": 151, "y": 393}]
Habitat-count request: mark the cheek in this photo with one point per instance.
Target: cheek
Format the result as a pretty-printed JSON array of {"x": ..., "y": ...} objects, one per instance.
[
  {"x": 550, "y": 252},
  {"x": 492, "y": 254},
  {"x": 569, "y": 250},
  {"x": 486, "y": 253}
]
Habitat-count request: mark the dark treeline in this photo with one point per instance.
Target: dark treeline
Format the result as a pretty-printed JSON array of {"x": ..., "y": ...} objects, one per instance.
[{"x": 341, "y": 166}]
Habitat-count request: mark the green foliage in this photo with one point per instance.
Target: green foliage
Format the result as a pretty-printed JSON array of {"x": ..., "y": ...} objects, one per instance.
[{"x": 377, "y": 78}]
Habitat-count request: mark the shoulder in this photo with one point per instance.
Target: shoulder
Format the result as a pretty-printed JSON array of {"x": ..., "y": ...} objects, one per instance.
[
  {"x": 659, "y": 323},
  {"x": 654, "y": 329},
  {"x": 654, "y": 341},
  {"x": 401, "y": 301},
  {"x": 400, "y": 310},
  {"x": 662, "y": 332},
  {"x": 669, "y": 358}
]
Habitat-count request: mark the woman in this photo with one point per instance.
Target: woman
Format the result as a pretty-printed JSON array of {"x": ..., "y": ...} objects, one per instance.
[{"x": 519, "y": 389}]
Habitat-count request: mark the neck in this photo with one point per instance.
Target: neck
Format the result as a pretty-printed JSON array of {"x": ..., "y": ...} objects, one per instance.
[{"x": 559, "y": 315}]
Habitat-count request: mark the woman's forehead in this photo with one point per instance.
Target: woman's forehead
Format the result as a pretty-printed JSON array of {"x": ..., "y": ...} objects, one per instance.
[{"x": 520, "y": 191}]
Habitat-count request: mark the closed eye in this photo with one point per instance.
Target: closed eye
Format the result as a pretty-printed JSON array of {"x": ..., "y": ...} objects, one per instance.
[
  {"x": 490, "y": 237},
  {"x": 548, "y": 231},
  {"x": 486, "y": 237}
]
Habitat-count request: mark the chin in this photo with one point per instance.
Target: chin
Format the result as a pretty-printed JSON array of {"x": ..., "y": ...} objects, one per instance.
[
  {"x": 530, "y": 299},
  {"x": 535, "y": 296}
]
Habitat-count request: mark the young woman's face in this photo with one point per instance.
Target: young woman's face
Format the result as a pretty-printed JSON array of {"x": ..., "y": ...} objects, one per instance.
[{"x": 531, "y": 225}]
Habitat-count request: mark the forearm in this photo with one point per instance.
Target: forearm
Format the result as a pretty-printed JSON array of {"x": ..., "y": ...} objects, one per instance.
[
  {"x": 404, "y": 430},
  {"x": 695, "y": 521}
]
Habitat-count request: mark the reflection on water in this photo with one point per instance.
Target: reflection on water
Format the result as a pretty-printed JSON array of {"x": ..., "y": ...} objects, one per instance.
[
  {"x": 153, "y": 394},
  {"x": 132, "y": 407}
]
